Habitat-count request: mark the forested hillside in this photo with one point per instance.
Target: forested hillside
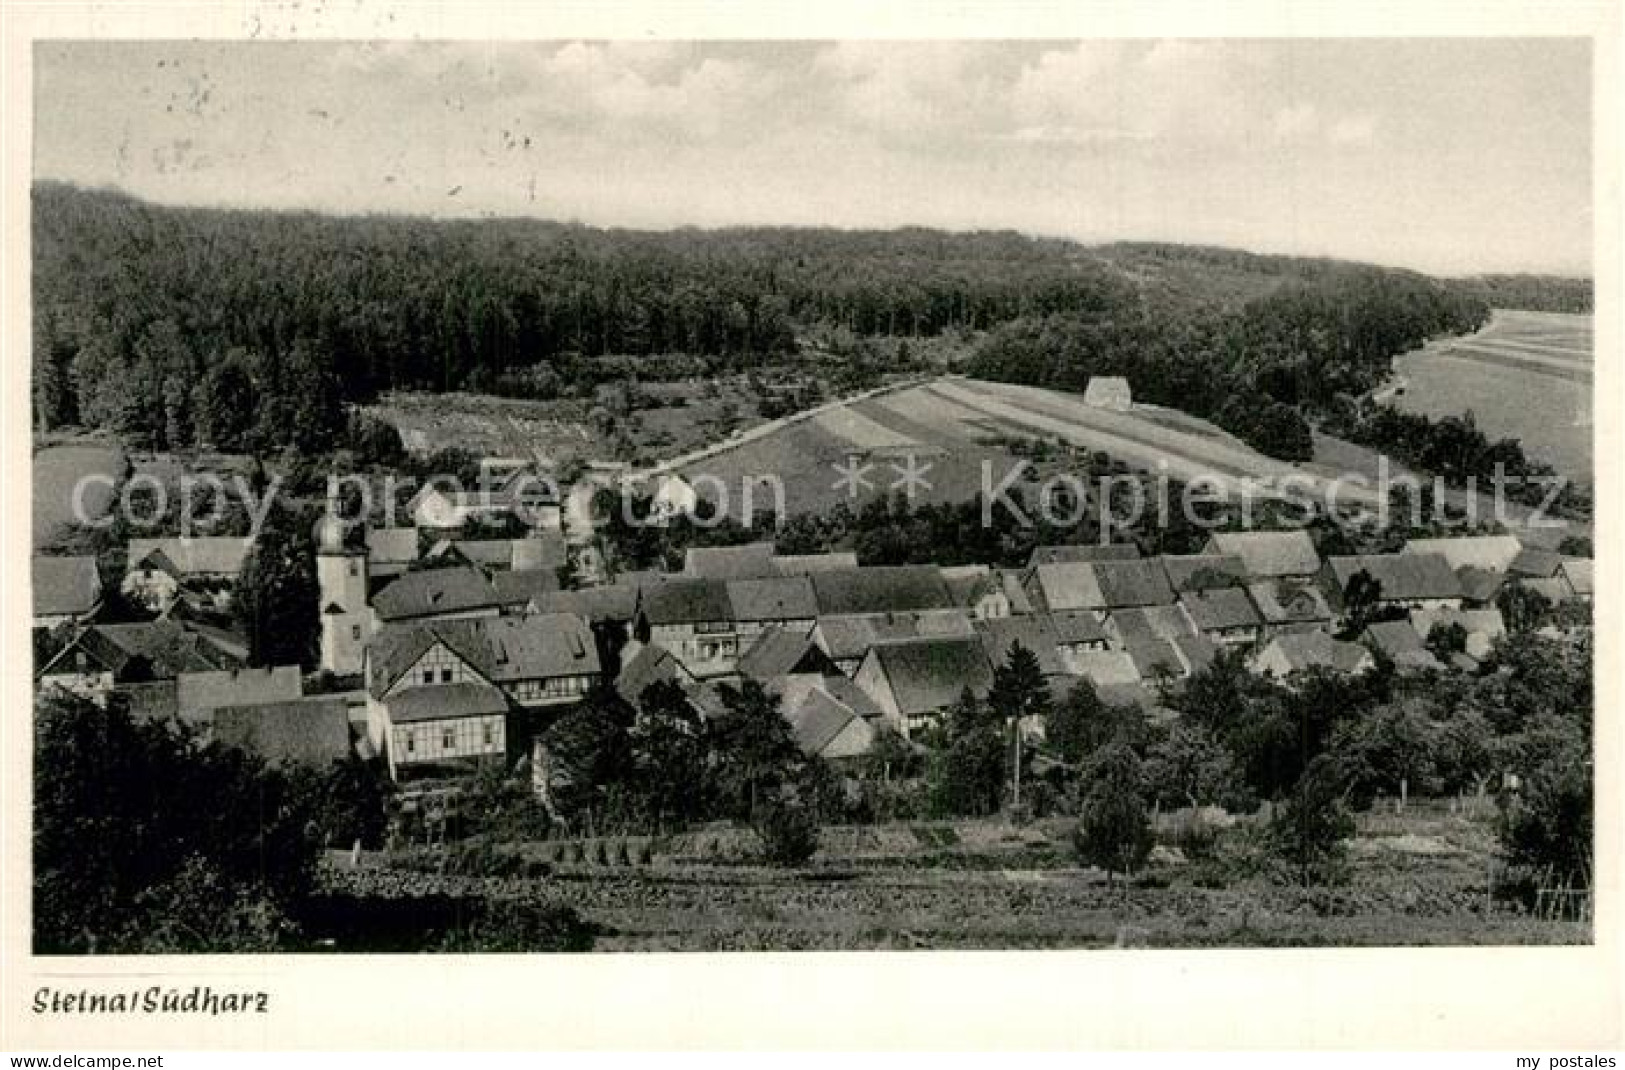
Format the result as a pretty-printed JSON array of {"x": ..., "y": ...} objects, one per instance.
[{"x": 252, "y": 329}]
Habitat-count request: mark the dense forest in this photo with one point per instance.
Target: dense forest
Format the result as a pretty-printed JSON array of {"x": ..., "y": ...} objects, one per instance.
[
  {"x": 253, "y": 329},
  {"x": 1534, "y": 293},
  {"x": 1256, "y": 369}
]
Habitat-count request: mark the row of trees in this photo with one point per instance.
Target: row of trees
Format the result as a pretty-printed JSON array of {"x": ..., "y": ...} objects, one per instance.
[
  {"x": 1258, "y": 370},
  {"x": 1454, "y": 448}
]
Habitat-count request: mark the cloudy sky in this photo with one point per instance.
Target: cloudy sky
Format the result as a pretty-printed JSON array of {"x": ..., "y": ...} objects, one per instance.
[{"x": 1446, "y": 155}]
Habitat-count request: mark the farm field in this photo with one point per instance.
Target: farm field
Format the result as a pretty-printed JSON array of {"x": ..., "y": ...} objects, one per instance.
[
  {"x": 955, "y": 425},
  {"x": 1526, "y": 375},
  {"x": 1418, "y": 879},
  {"x": 57, "y": 470}
]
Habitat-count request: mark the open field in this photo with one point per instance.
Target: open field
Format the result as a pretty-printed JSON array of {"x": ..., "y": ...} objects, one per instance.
[
  {"x": 1526, "y": 375},
  {"x": 956, "y": 425},
  {"x": 1416, "y": 879},
  {"x": 57, "y": 471}
]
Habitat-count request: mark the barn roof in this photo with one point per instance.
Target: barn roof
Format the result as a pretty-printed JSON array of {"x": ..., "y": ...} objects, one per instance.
[
  {"x": 752, "y": 560},
  {"x": 930, "y": 674},
  {"x": 1495, "y": 552},
  {"x": 1401, "y": 576},
  {"x": 802, "y": 564},
  {"x": 153, "y": 650},
  {"x": 685, "y": 601},
  {"x": 596, "y": 604},
  {"x": 392, "y": 546},
  {"x": 1196, "y": 572},
  {"x": 1535, "y": 562},
  {"x": 1127, "y": 584},
  {"x": 1036, "y": 633},
  {"x": 1577, "y": 570},
  {"x": 1288, "y": 601},
  {"x": 774, "y": 599},
  {"x": 1150, "y": 623},
  {"x": 1221, "y": 608},
  {"x": 881, "y": 589},
  {"x": 500, "y": 649},
  {"x": 1268, "y": 554}
]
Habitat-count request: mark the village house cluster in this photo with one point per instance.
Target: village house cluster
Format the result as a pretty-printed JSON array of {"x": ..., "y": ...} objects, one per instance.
[{"x": 438, "y": 654}]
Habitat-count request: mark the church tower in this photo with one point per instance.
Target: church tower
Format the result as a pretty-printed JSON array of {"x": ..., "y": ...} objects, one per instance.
[{"x": 341, "y": 574}]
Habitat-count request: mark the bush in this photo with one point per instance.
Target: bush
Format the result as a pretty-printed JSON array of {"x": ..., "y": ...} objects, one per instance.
[{"x": 788, "y": 833}]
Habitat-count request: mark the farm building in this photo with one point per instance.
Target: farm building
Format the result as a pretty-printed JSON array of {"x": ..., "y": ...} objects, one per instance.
[
  {"x": 778, "y": 652},
  {"x": 1269, "y": 555},
  {"x": 1295, "y": 652},
  {"x": 1289, "y": 605},
  {"x": 1494, "y": 553},
  {"x": 1109, "y": 392},
  {"x": 105, "y": 658},
  {"x": 1483, "y": 626},
  {"x": 199, "y": 694},
  {"x": 752, "y": 560},
  {"x": 647, "y": 665},
  {"x": 914, "y": 680},
  {"x": 1405, "y": 581},
  {"x": 887, "y": 589},
  {"x": 1223, "y": 615},
  {"x": 848, "y": 637},
  {"x": 831, "y": 718},
  {"x": 693, "y": 619}
]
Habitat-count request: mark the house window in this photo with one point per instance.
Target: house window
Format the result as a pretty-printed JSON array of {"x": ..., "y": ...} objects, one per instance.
[
  {"x": 411, "y": 741},
  {"x": 355, "y": 631},
  {"x": 448, "y": 739},
  {"x": 486, "y": 735},
  {"x": 445, "y": 676},
  {"x": 355, "y": 569},
  {"x": 428, "y": 676}
]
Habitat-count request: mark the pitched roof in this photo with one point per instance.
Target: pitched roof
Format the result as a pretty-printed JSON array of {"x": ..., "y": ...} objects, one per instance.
[
  {"x": 197, "y": 693},
  {"x": 500, "y": 649},
  {"x": 1577, "y": 570},
  {"x": 1395, "y": 638},
  {"x": 153, "y": 650},
  {"x": 778, "y": 652},
  {"x": 444, "y": 702},
  {"x": 1535, "y": 562},
  {"x": 845, "y": 636},
  {"x": 882, "y": 589},
  {"x": 802, "y": 564},
  {"x": 930, "y": 674},
  {"x": 436, "y": 591},
  {"x": 1149, "y": 623},
  {"x": 1479, "y": 584},
  {"x": 596, "y": 604},
  {"x": 1104, "y": 667},
  {"x": 1104, "y": 585},
  {"x": 1496, "y": 552},
  {"x": 1220, "y": 609},
  {"x": 1056, "y": 555},
  {"x": 1554, "y": 589},
  {"x": 1036, "y": 633},
  {"x": 823, "y": 713},
  {"x": 314, "y": 731},
  {"x": 685, "y": 601},
  {"x": 1067, "y": 585},
  {"x": 392, "y": 546},
  {"x": 749, "y": 561},
  {"x": 1287, "y": 601},
  {"x": 1487, "y": 622},
  {"x": 492, "y": 553},
  {"x": 651, "y": 664},
  {"x": 199, "y": 556},
  {"x": 540, "y": 550},
  {"x": 1154, "y": 655},
  {"x": 65, "y": 586},
  {"x": 1311, "y": 649},
  {"x": 1401, "y": 576},
  {"x": 1076, "y": 627},
  {"x": 778, "y": 598},
  {"x": 1269, "y": 554},
  {"x": 1194, "y": 572},
  {"x": 524, "y": 588}
]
